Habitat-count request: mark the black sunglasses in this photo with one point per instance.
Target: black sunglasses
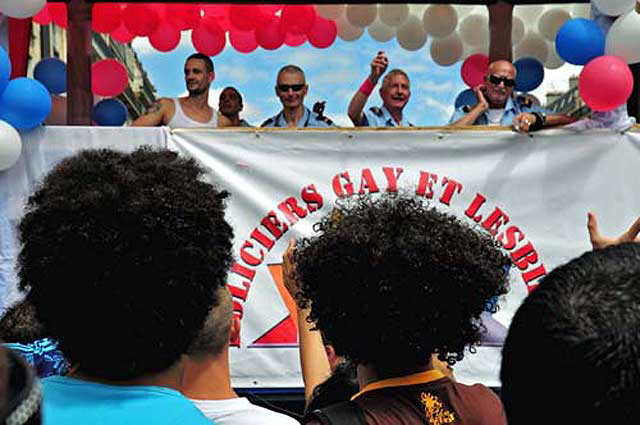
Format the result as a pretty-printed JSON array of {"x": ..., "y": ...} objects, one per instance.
[
  {"x": 294, "y": 87},
  {"x": 508, "y": 82}
]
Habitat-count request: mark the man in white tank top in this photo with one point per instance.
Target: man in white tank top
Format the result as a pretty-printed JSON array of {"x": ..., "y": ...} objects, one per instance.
[{"x": 192, "y": 110}]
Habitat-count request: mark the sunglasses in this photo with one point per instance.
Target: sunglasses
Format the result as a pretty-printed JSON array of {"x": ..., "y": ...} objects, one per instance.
[
  {"x": 294, "y": 87},
  {"x": 508, "y": 82}
]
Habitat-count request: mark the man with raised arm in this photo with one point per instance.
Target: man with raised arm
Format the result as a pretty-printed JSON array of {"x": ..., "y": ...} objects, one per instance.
[
  {"x": 395, "y": 93},
  {"x": 291, "y": 88},
  {"x": 497, "y": 104},
  {"x": 192, "y": 110}
]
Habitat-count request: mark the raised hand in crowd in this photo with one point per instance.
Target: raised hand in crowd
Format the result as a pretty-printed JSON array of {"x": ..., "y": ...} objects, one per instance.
[
  {"x": 599, "y": 241},
  {"x": 379, "y": 65}
]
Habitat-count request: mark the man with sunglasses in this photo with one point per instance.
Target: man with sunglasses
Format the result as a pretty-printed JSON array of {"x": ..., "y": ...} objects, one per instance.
[
  {"x": 395, "y": 93},
  {"x": 498, "y": 106},
  {"x": 291, "y": 88}
]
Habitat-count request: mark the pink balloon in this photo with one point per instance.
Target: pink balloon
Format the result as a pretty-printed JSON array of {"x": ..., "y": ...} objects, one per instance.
[
  {"x": 243, "y": 41},
  {"x": 474, "y": 68},
  {"x": 43, "y": 17},
  {"x": 606, "y": 82},
  {"x": 108, "y": 77},
  {"x": 295, "y": 40},
  {"x": 58, "y": 13},
  {"x": 106, "y": 17},
  {"x": 244, "y": 17},
  {"x": 270, "y": 36},
  {"x": 183, "y": 16},
  {"x": 323, "y": 33},
  {"x": 220, "y": 13},
  {"x": 298, "y": 19},
  {"x": 166, "y": 37},
  {"x": 140, "y": 19},
  {"x": 122, "y": 35},
  {"x": 269, "y": 10},
  {"x": 208, "y": 38}
]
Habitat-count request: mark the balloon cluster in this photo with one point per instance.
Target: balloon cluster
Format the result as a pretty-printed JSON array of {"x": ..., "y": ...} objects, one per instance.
[
  {"x": 606, "y": 81},
  {"x": 24, "y": 104},
  {"x": 247, "y": 25}
]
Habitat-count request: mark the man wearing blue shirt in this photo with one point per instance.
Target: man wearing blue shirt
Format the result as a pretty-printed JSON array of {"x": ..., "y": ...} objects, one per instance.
[
  {"x": 497, "y": 105},
  {"x": 395, "y": 93},
  {"x": 291, "y": 88}
]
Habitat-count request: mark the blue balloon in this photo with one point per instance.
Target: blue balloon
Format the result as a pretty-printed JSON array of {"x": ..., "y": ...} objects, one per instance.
[
  {"x": 110, "y": 112},
  {"x": 466, "y": 97},
  {"x": 529, "y": 74},
  {"x": 580, "y": 40},
  {"x": 25, "y": 103},
  {"x": 5, "y": 69},
  {"x": 52, "y": 72}
]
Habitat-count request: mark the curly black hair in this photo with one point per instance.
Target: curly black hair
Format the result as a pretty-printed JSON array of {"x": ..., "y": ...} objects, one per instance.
[
  {"x": 391, "y": 281},
  {"x": 19, "y": 324},
  {"x": 572, "y": 351},
  {"x": 121, "y": 255}
]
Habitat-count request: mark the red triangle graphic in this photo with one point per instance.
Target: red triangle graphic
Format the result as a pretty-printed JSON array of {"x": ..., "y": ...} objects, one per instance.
[{"x": 284, "y": 334}]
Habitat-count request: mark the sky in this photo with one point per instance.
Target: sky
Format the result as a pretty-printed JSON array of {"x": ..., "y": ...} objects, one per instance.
[{"x": 333, "y": 75}]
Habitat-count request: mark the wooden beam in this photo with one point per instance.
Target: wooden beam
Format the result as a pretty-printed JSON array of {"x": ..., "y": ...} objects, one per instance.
[
  {"x": 79, "y": 51},
  {"x": 500, "y": 22}
]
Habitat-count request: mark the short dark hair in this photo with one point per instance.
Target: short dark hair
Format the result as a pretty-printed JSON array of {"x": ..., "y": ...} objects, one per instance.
[
  {"x": 207, "y": 60},
  {"x": 391, "y": 281},
  {"x": 131, "y": 245},
  {"x": 572, "y": 351},
  {"x": 19, "y": 324},
  {"x": 213, "y": 337},
  {"x": 235, "y": 90}
]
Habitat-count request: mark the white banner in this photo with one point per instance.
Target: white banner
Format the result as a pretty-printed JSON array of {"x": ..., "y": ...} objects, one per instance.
[{"x": 532, "y": 193}]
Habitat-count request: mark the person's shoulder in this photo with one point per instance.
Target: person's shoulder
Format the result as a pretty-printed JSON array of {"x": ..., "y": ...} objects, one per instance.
[
  {"x": 479, "y": 396},
  {"x": 377, "y": 111},
  {"x": 323, "y": 120},
  {"x": 269, "y": 122},
  {"x": 264, "y": 416},
  {"x": 240, "y": 411}
]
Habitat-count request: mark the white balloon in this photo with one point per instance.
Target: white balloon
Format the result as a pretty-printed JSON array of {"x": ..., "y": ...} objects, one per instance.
[
  {"x": 10, "y": 145},
  {"x": 362, "y": 15},
  {"x": 551, "y": 21},
  {"x": 381, "y": 32},
  {"x": 465, "y": 10},
  {"x": 411, "y": 34},
  {"x": 21, "y": 8},
  {"x": 623, "y": 38},
  {"x": 330, "y": 11},
  {"x": 614, "y": 7},
  {"x": 474, "y": 30},
  {"x": 528, "y": 13},
  {"x": 393, "y": 15},
  {"x": 554, "y": 61},
  {"x": 440, "y": 20},
  {"x": 346, "y": 31},
  {"x": 517, "y": 30},
  {"x": 446, "y": 51},
  {"x": 472, "y": 50},
  {"x": 417, "y": 9},
  {"x": 532, "y": 45}
]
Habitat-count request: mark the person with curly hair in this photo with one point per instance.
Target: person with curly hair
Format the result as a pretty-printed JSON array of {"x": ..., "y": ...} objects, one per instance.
[
  {"x": 121, "y": 256},
  {"x": 391, "y": 281},
  {"x": 571, "y": 354}
]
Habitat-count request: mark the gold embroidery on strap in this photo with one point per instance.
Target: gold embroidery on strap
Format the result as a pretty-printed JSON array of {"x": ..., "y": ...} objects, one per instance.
[{"x": 435, "y": 413}]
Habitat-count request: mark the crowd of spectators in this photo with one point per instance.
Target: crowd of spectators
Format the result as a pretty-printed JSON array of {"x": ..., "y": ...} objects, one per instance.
[{"x": 123, "y": 264}]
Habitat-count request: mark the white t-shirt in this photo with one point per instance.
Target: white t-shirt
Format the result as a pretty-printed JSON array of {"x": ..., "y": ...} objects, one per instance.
[
  {"x": 494, "y": 116},
  {"x": 239, "y": 411}
]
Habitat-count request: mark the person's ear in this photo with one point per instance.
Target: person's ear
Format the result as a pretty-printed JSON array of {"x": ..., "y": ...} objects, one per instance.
[
  {"x": 212, "y": 76},
  {"x": 305, "y": 90},
  {"x": 234, "y": 332}
]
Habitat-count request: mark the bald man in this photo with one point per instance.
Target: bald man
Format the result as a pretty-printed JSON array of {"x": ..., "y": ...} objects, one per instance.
[{"x": 497, "y": 104}]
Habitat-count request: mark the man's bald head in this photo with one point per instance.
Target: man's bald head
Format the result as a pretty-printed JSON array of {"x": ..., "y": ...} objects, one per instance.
[
  {"x": 499, "y": 83},
  {"x": 502, "y": 67}
]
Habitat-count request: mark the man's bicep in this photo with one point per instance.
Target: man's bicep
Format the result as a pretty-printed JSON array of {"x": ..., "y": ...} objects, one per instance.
[{"x": 154, "y": 116}]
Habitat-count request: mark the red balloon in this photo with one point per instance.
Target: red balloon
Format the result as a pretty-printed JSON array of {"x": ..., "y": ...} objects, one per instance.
[
  {"x": 243, "y": 41},
  {"x": 220, "y": 13},
  {"x": 182, "y": 16},
  {"x": 107, "y": 17},
  {"x": 140, "y": 19},
  {"x": 208, "y": 38},
  {"x": 323, "y": 33},
  {"x": 108, "y": 77},
  {"x": 43, "y": 17},
  {"x": 122, "y": 35},
  {"x": 58, "y": 13},
  {"x": 606, "y": 82},
  {"x": 244, "y": 17},
  {"x": 298, "y": 19},
  {"x": 166, "y": 37},
  {"x": 295, "y": 40},
  {"x": 474, "y": 68},
  {"x": 269, "y": 10},
  {"x": 270, "y": 36}
]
